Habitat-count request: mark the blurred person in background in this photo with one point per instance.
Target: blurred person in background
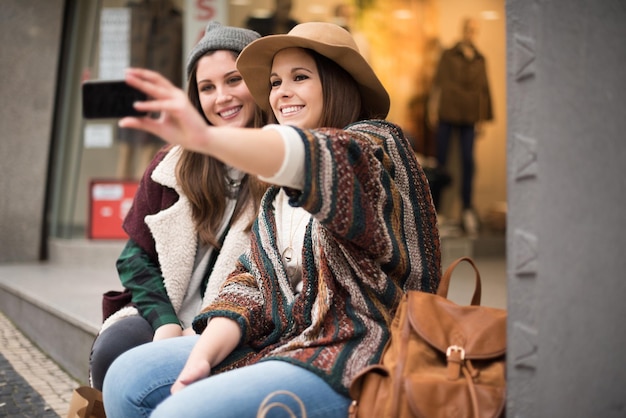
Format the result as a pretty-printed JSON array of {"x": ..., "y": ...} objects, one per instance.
[{"x": 280, "y": 21}]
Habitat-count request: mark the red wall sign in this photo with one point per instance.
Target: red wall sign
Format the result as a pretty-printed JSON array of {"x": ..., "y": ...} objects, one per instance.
[{"x": 109, "y": 202}]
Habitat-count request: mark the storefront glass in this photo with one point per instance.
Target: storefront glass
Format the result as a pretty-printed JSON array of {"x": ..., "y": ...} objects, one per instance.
[{"x": 401, "y": 39}]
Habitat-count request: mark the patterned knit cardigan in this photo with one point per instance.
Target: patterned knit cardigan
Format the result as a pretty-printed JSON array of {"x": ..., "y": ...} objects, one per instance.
[{"x": 374, "y": 235}]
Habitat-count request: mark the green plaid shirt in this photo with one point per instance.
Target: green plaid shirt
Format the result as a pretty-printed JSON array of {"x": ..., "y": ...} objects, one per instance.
[{"x": 143, "y": 278}]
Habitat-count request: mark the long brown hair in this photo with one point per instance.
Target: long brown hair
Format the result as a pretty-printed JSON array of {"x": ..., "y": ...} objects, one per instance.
[
  {"x": 341, "y": 96},
  {"x": 203, "y": 179}
]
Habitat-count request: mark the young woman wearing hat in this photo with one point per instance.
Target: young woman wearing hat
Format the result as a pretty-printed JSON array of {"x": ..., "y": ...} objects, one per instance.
[
  {"x": 191, "y": 216},
  {"x": 347, "y": 228}
]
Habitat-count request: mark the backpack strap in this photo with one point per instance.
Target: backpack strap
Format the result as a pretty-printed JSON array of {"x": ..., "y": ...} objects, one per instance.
[{"x": 444, "y": 284}]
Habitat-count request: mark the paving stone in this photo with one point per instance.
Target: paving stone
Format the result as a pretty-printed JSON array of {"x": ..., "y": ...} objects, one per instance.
[
  {"x": 31, "y": 384},
  {"x": 18, "y": 398}
]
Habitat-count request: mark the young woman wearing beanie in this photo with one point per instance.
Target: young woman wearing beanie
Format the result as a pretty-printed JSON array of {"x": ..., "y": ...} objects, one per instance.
[
  {"x": 347, "y": 227},
  {"x": 191, "y": 215}
]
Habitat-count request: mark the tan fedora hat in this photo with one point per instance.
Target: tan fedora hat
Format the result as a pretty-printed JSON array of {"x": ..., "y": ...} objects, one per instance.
[{"x": 327, "y": 39}]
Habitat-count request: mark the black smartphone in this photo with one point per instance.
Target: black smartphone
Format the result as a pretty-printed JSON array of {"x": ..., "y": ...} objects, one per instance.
[{"x": 107, "y": 99}]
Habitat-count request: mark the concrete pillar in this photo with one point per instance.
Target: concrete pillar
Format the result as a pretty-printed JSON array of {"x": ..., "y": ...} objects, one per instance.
[
  {"x": 30, "y": 35},
  {"x": 566, "y": 236}
]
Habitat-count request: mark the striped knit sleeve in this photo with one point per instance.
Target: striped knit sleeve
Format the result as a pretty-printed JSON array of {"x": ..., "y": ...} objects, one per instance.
[{"x": 364, "y": 184}]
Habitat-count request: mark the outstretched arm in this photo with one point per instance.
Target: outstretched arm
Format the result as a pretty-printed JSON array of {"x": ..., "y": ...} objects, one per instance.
[
  {"x": 254, "y": 151},
  {"x": 217, "y": 341}
]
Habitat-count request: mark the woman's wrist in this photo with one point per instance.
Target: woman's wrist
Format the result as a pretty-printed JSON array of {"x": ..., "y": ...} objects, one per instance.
[{"x": 167, "y": 331}]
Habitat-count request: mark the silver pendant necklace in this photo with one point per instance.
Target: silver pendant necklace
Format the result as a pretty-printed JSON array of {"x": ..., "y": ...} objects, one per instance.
[
  {"x": 288, "y": 253},
  {"x": 233, "y": 183}
]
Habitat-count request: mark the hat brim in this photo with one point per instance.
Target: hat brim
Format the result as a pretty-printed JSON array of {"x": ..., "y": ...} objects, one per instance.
[{"x": 255, "y": 63}]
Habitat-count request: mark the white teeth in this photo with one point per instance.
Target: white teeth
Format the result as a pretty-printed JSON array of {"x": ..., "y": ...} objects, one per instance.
[
  {"x": 229, "y": 112},
  {"x": 290, "y": 109}
]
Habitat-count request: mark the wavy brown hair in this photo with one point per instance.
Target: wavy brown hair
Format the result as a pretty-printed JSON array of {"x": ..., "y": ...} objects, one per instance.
[{"x": 204, "y": 179}]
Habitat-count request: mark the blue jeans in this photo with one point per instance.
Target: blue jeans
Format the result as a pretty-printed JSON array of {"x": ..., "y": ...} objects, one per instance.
[
  {"x": 466, "y": 139},
  {"x": 139, "y": 381}
]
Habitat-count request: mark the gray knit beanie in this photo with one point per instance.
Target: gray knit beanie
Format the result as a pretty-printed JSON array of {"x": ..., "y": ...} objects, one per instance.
[{"x": 218, "y": 37}]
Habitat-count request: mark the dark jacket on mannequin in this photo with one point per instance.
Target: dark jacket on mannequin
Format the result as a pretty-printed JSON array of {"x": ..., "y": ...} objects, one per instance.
[
  {"x": 156, "y": 42},
  {"x": 267, "y": 25},
  {"x": 156, "y": 38},
  {"x": 464, "y": 88}
]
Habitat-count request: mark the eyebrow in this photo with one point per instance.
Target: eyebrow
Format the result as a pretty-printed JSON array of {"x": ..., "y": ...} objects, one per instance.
[
  {"x": 294, "y": 70},
  {"x": 209, "y": 80}
]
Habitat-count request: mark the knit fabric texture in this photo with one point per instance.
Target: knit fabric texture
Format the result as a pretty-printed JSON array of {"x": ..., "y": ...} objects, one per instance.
[
  {"x": 373, "y": 236},
  {"x": 217, "y": 37}
]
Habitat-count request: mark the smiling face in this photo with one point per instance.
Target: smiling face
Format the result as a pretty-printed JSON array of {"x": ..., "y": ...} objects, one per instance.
[
  {"x": 296, "y": 94},
  {"x": 224, "y": 96}
]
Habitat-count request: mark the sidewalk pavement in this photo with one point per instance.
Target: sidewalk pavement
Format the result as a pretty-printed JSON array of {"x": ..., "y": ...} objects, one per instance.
[
  {"x": 31, "y": 385},
  {"x": 69, "y": 291}
]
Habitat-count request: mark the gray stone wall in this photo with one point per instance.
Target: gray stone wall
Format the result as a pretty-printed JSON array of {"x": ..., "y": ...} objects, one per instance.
[
  {"x": 566, "y": 240},
  {"x": 30, "y": 35}
]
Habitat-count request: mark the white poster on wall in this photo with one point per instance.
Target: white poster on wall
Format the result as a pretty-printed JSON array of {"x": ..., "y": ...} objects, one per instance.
[
  {"x": 114, "y": 43},
  {"x": 198, "y": 13},
  {"x": 98, "y": 135}
]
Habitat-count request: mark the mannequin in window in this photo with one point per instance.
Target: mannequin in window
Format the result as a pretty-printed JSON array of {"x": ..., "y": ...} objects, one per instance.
[
  {"x": 279, "y": 22},
  {"x": 345, "y": 15},
  {"x": 462, "y": 99}
]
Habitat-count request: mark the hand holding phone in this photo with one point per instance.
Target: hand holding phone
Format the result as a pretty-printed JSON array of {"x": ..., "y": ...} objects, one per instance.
[{"x": 107, "y": 99}]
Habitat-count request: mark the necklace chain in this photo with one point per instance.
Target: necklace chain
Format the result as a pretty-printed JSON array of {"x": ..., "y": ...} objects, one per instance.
[
  {"x": 288, "y": 252},
  {"x": 233, "y": 184}
]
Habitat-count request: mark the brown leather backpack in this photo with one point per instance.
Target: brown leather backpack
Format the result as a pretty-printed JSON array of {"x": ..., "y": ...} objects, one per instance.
[{"x": 442, "y": 360}]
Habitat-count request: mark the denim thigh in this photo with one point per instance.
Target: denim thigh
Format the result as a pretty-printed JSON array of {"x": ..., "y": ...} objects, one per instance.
[
  {"x": 141, "y": 378},
  {"x": 239, "y": 393}
]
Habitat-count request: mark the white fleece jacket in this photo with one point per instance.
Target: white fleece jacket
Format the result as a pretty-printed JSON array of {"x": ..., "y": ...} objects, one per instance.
[{"x": 176, "y": 242}]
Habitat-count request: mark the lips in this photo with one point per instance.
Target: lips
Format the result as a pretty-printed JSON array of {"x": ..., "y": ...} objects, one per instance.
[
  {"x": 229, "y": 113},
  {"x": 286, "y": 111}
]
